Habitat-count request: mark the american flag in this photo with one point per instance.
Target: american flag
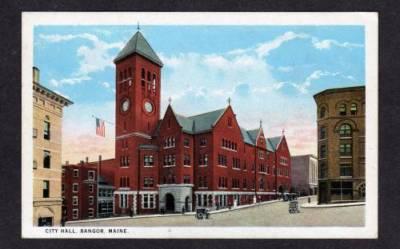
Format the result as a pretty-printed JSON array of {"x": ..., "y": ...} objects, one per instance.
[{"x": 100, "y": 127}]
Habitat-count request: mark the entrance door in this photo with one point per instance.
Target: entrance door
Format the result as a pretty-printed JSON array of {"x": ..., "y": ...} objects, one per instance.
[
  {"x": 45, "y": 222},
  {"x": 187, "y": 204},
  {"x": 170, "y": 203},
  {"x": 322, "y": 193}
]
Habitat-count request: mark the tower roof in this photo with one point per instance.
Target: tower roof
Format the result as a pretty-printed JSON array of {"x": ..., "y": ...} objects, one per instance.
[{"x": 138, "y": 44}]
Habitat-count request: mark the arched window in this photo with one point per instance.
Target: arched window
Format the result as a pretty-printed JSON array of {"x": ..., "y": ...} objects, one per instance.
[
  {"x": 345, "y": 130},
  {"x": 342, "y": 109},
  {"x": 322, "y": 112},
  {"x": 322, "y": 132},
  {"x": 353, "y": 109}
]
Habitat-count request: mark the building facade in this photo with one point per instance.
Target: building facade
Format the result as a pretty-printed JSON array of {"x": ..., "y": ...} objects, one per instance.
[
  {"x": 177, "y": 162},
  {"x": 85, "y": 195},
  {"x": 47, "y": 126},
  {"x": 341, "y": 144},
  {"x": 305, "y": 174}
]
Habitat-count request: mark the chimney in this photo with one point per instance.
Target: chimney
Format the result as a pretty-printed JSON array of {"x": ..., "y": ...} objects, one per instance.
[
  {"x": 36, "y": 75},
  {"x": 87, "y": 160},
  {"x": 66, "y": 162}
]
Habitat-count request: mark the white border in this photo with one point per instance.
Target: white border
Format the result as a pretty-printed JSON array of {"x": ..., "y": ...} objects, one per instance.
[{"x": 368, "y": 20}]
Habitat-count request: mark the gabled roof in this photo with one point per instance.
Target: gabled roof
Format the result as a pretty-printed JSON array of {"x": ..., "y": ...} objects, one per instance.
[
  {"x": 253, "y": 134},
  {"x": 274, "y": 142},
  {"x": 138, "y": 44},
  {"x": 199, "y": 123},
  {"x": 246, "y": 137}
]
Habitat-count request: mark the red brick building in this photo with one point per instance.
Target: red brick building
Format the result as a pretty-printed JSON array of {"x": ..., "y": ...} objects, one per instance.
[
  {"x": 180, "y": 162},
  {"x": 85, "y": 195}
]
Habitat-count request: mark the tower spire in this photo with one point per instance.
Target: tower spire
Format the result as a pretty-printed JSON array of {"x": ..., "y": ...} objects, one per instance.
[
  {"x": 229, "y": 100},
  {"x": 138, "y": 26}
]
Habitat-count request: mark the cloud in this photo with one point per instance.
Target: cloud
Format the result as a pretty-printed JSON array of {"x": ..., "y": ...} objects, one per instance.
[
  {"x": 317, "y": 74},
  {"x": 69, "y": 81},
  {"x": 264, "y": 49},
  {"x": 328, "y": 43},
  {"x": 106, "y": 84},
  {"x": 285, "y": 69},
  {"x": 92, "y": 58}
]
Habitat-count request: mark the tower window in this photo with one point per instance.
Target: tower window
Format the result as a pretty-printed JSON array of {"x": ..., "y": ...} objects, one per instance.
[
  {"x": 342, "y": 109},
  {"x": 345, "y": 149},
  {"x": 322, "y": 151},
  {"x": 345, "y": 130},
  {"x": 322, "y": 112},
  {"x": 353, "y": 109},
  {"x": 130, "y": 72},
  {"x": 322, "y": 132},
  {"x": 148, "y": 76}
]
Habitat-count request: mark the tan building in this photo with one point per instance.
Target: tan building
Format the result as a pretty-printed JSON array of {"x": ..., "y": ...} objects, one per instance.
[
  {"x": 341, "y": 144},
  {"x": 47, "y": 127}
]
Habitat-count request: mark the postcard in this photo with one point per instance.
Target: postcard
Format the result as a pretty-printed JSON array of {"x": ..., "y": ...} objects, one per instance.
[{"x": 199, "y": 125}]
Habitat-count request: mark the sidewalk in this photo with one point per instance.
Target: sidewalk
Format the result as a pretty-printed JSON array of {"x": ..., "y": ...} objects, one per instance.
[
  {"x": 315, "y": 205},
  {"x": 173, "y": 214}
]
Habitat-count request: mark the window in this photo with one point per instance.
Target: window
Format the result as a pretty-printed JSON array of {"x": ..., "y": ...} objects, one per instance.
[
  {"x": 148, "y": 160},
  {"x": 322, "y": 132},
  {"x": 91, "y": 188},
  {"x": 91, "y": 175},
  {"x": 244, "y": 183},
  {"x": 186, "y": 142},
  {"x": 226, "y": 144},
  {"x": 262, "y": 183},
  {"x": 91, "y": 200},
  {"x": 186, "y": 160},
  {"x": 345, "y": 130},
  {"x": 346, "y": 169},
  {"x": 353, "y": 109},
  {"x": 186, "y": 179},
  {"x": 148, "y": 182},
  {"x": 341, "y": 190},
  {"x": 90, "y": 212},
  {"x": 203, "y": 141},
  {"x": 75, "y": 214},
  {"x": 46, "y": 189},
  {"x": 154, "y": 83},
  {"x": 236, "y": 163},
  {"x": 123, "y": 200},
  {"x": 34, "y": 164},
  {"x": 124, "y": 181},
  {"x": 148, "y": 201},
  {"x": 169, "y": 142},
  {"x": 322, "y": 151},
  {"x": 323, "y": 170},
  {"x": 46, "y": 159},
  {"x": 342, "y": 109},
  {"x": 229, "y": 122},
  {"x": 169, "y": 160},
  {"x": 222, "y": 182},
  {"x": 222, "y": 160},
  {"x": 322, "y": 112},
  {"x": 260, "y": 154},
  {"x": 75, "y": 187},
  {"x": 34, "y": 133},
  {"x": 76, "y": 172},
  {"x": 46, "y": 131},
  {"x": 203, "y": 160},
  {"x": 124, "y": 161},
  {"x": 345, "y": 149}
]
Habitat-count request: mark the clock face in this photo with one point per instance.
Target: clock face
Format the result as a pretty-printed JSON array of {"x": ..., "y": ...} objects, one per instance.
[
  {"x": 125, "y": 105},
  {"x": 148, "y": 107}
]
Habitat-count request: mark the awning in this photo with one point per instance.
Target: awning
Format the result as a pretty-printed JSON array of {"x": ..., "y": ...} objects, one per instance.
[{"x": 45, "y": 212}]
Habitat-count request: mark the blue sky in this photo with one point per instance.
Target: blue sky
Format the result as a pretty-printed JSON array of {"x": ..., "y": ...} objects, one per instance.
[{"x": 270, "y": 72}]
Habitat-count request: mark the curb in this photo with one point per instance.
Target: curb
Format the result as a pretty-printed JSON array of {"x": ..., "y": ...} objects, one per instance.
[{"x": 332, "y": 205}]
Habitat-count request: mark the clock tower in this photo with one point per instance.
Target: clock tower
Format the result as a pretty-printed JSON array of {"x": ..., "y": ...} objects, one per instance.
[
  {"x": 137, "y": 107},
  {"x": 138, "y": 71}
]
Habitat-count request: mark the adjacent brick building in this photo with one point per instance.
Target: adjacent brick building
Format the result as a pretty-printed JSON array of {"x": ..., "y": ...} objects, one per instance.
[
  {"x": 341, "y": 144},
  {"x": 47, "y": 137},
  {"x": 181, "y": 162},
  {"x": 85, "y": 195},
  {"x": 305, "y": 174}
]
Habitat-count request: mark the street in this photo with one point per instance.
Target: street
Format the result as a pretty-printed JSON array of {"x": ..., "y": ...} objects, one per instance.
[{"x": 272, "y": 214}]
